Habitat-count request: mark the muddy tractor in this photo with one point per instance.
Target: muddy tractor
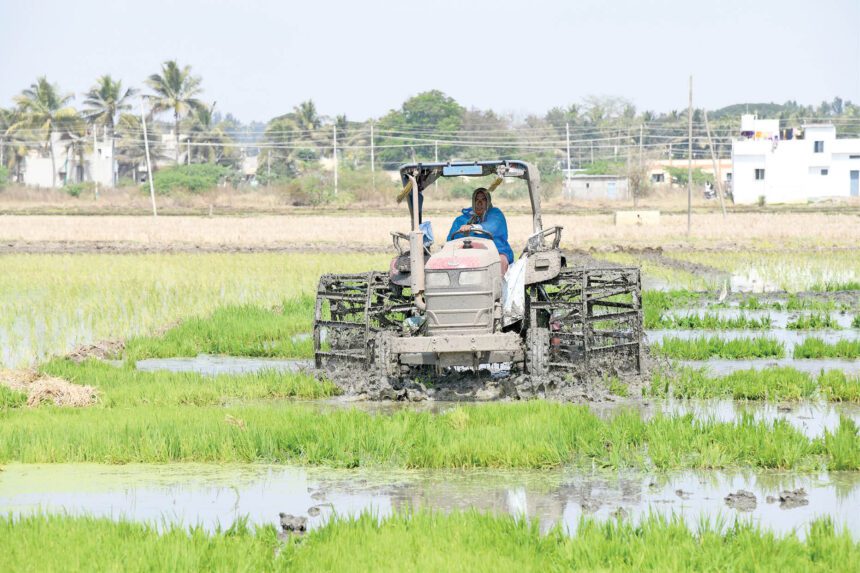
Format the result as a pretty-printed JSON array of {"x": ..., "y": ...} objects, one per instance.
[{"x": 451, "y": 307}]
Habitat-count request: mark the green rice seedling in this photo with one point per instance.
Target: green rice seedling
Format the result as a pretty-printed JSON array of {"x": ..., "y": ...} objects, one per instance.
[
  {"x": 855, "y": 322},
  {"x": 837, "y": 386},
  {"x": 123, "y": 387},
  {"x": 675, "y": 278},
  {"x": 795, "y": 302},
  {"x": 711, "y": 321},
  {"x": 617, "y": 387},
  {"x": 236, "y": 331},
  {"x": 813, "y": 322},
  {"x": 843, "y": 446},
  {"x": 703, "y": 348},
  {"x": 836, "y": 286},
  {"x": 753, "y": 303},
  {"x": 422, "y": 540},
  {"x": 814, "y": 347},
  {"x": 51, "y": 304},
  {"x": 655, "y": 303},
  {"x": 523, "y": 435},
  {"x": 767, "y": 384},
  {"x": 11, "y": 398}
]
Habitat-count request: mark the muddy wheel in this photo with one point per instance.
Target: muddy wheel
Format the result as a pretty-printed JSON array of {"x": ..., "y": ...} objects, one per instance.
[{"x": 537, "y": 351}]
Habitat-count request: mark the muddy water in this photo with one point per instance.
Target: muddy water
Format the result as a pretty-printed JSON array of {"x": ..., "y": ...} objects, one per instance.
[{"x": 217, "y": 495}]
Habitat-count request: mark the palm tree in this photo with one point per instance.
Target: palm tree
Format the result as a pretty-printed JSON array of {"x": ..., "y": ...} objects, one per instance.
[
  {"x": 105, "y": 101},
  {"x": 175, "y": 90},
  {"x": 209, "y": 137},
  {"x": 43, "y": 107},
  {"x": 307, "y": 118}
]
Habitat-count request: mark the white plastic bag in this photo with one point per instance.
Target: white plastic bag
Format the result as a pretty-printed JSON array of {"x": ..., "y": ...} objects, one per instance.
[{"x": 514, "y": 292}]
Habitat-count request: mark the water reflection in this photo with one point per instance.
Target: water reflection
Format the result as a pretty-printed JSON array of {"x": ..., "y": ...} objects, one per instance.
[{"x": 217, "y": 495}]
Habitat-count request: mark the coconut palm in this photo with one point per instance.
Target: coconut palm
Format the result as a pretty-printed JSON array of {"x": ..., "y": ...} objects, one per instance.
[
  {"x": 175, "y": 90},
  {"x": 42, "y": 107},
  {"x": 208, "y": 138},
  {"x": 105, "y": 101}
]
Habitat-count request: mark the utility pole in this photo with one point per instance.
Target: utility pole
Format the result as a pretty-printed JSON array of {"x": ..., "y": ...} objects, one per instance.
[
  {"x": 334, "y": 155},
  {"x": 93, "y": 170},
  {"x": 567, "y": 132},
  {"x": 148, "y": 161},
  {"x": 436, "y": 156},
  {"x": 372, "y": 159},
  {"x": 717, "y": 175},
  {"x": 268, "y": 166},
  {"x": 641, "y": 166},
  {"x": 188, "y": 151},
  {"x": 592, "y": 151},
  {"x": 690, "y": 158}
]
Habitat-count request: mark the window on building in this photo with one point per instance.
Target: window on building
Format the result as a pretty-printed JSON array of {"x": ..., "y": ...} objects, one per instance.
[
  {"x": 819, "y": 147},
  {"x": 759, "y": 174},
  {"x": 657, "y": 178},
  {"x": 824, "y": 171}
]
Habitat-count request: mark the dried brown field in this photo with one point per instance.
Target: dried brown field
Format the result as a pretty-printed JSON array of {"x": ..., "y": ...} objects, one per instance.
[{"x": 365, "y": 231}]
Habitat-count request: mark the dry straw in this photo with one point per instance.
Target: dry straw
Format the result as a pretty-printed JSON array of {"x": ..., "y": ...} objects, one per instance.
[{"x": 42, "y": 388}]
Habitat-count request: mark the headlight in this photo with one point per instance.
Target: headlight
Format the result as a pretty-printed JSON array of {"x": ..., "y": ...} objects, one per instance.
[
  {"x": 468, "y": 278},
  {"x": 437, "y": 280}
]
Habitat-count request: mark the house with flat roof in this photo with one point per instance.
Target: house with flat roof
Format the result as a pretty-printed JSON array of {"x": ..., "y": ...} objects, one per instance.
[{"x": 793, "y": 165}]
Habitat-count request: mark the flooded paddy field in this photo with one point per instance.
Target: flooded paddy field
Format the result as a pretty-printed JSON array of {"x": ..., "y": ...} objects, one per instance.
[
  {"x": 206, "y": 409},
  {"x": 218, "y": 496}
]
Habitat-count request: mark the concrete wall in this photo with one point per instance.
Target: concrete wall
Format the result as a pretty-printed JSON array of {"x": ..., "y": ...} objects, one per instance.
[{"x": 597, "y": 187}]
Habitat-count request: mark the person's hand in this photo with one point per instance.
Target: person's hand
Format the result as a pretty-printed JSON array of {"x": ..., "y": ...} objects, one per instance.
[{"x": 465, "y": 229}]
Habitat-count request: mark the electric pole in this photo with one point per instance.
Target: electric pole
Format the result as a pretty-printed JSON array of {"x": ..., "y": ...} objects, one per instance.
[
  {"x": 334, "y": 155},
  {"x": 148, "y": 161},
  {"x": 690, "y": 159},
  {"x": 567, "y": 132}
]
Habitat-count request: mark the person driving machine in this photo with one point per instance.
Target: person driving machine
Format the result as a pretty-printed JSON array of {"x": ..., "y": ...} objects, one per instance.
[{"x": 482, "y": 216}]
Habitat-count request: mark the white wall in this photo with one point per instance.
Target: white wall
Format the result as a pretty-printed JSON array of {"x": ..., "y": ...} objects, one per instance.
[{"x": 793, "y": 169}]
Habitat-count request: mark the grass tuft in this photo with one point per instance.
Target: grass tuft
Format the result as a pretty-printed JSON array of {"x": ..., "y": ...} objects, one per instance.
[
  {"x": 814, "y": 347},
  {"x": 703, "y": 348},
  {"x": 813, "y": 322},
  {"x": 423, "y": 540},
  {"x": 752, "y": 384},
  {"x": 11, "y": 398}
]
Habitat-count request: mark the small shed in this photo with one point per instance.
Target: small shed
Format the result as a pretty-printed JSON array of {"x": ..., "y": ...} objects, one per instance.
[{"x": 597, "y": 187}]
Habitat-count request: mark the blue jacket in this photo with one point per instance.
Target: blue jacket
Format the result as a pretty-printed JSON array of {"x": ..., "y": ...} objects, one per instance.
[{"x": 494, "y": 222}]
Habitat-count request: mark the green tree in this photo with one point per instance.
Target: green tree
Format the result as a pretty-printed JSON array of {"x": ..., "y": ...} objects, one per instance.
[
  {"x": 105, "y": 101},
  {"x": 175, "y": 90},
  {"x": 42, "y": 107},
  {"x": 430, "y": 111}
]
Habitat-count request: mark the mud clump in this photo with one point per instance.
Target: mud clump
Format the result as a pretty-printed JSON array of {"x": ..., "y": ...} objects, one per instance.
[
  {"x": 790, "y": 499},
  {"x": 101, "y": 351},
  {"x": 742, "y": 500},
  {"x": 41, "y": 388}
]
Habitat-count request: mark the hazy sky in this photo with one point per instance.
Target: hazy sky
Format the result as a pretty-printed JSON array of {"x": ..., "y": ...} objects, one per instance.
[{"x": 259, "y": 58}]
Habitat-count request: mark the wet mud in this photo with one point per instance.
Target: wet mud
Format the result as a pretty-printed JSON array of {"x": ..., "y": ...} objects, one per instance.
[
  {"x": 487, "y": 384},
  {"x": 742, "y": 500}
]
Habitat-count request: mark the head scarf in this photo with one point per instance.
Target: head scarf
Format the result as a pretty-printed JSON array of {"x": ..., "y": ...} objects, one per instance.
[{"x": 489, "y": 202}]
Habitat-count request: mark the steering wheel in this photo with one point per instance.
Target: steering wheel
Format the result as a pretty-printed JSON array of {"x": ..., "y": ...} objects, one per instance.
[{"x": 487, "y": 234}]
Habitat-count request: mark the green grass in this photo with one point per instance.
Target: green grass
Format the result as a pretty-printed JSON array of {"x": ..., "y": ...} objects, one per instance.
[
  {"x": 816, "y": 348},
  {"x": 703, "y": 348},
  {"x": 711, "y": 321},
  {"x": 50, "y": 304},
  {"x": 791, "y": 304},
  {"x": 423, "y": 541},
  {"x": 11, "y": 398},
  {"x": 235, "y": 331},
  {"x": 765, "y": 384},
  {"x": 836, "y": 286},
  {"x": 617, "y": 387},
  {"x": 813, "y": 322},
  {"x": 655, "y": 303},
  {"x": 855, "y": 322},
  {"x": 523, "y": 435},
  {"x": 126, "y": 387},
  {"x": 839, "y": 387}
]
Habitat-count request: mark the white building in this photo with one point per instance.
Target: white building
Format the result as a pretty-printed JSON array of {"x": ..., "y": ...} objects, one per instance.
[
  {"x": 98, "y": 164},
  {"x": 792, "y": 166}
]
